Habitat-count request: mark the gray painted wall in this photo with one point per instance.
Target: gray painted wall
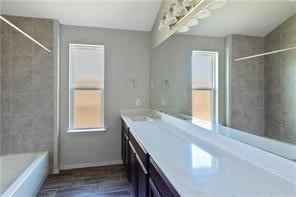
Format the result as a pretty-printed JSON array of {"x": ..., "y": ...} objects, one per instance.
[
  {"x": 247, "y": 85},
  {"x": 172, "y": 61},
  {"x": 127, "y": 57},
  {"x": 280, "y": 80},
  {"x": 27, "y": 95}
]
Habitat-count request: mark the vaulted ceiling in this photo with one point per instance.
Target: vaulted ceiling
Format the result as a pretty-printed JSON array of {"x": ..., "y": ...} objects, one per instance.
[
  {"x": 248, "y": 17},
  {"x": 116, "y": 14}
]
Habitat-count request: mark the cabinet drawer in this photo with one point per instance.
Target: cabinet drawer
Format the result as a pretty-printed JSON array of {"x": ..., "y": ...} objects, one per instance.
[
  {"x": 124, "y": 126},
  {"x": 162, "y": 184},
  {"x": 141, "y": 152}
]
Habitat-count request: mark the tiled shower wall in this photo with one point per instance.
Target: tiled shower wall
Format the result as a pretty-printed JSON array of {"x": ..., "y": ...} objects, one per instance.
[
  {"x": 280, "y": 83},
  {"x": 263, "y": 90},
  {"x": 27, "y": 86},
  {"x": 247, "y": 85}
]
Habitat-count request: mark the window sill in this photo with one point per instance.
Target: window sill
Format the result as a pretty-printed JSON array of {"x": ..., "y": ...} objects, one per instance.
[{"x": 99, "y": 130}]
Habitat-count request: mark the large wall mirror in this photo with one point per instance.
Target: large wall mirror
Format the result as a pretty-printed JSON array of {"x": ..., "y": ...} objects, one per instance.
[{"x": 234, "y": 66}]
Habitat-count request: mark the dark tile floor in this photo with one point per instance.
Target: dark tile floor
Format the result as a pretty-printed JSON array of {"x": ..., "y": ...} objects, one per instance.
[{"x": 87, "y": 182}]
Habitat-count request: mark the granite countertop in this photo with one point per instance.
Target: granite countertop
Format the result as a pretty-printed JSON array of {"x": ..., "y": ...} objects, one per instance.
[{"x": 197, "y": 168}]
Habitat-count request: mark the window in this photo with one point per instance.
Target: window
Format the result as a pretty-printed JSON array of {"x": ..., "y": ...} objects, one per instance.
[
  {"x": 204, "y": 64},
  {"x": 86, "y": 86}
]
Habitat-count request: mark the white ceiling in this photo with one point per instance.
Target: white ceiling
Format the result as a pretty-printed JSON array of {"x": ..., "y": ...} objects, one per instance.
[
  {"x": 247, "y": 17},
  {"x": 115, "y": 14}
]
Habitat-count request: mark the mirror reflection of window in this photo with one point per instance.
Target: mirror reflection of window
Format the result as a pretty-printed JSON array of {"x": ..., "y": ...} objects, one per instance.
[
  {"x": 203, "y": 84},
  {"x": 200, "y": 158},
  {"x": 202, "y": 161}
]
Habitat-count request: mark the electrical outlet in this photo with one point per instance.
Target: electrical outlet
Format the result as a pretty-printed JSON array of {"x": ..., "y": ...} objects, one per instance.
[
  {"x": 138, "y": 102},
  {"x": 133, "y": 83}
]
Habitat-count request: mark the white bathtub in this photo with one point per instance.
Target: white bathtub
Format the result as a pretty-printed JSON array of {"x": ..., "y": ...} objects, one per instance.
[{"x": 22, "y": 174}]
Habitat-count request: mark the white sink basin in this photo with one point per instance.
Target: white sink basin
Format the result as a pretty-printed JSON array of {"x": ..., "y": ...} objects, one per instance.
[{"x": 140, "y": 118}]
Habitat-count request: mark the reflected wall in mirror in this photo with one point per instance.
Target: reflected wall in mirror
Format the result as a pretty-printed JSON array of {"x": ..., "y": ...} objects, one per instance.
[
  {"x": 185, "y": 74},
  {"x": 196, "y": 76}
]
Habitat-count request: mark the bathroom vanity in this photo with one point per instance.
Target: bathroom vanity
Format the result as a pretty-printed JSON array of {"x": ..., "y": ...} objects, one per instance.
[
  {"x": 143, "y": 172},
  {"x": 162, "y": 159}
]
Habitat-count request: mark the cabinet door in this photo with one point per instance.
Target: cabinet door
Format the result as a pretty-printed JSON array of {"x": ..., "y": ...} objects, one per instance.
[
  {"x": 153, "y": 191},
  {"x": 142, "y": 179},
  {"x": 123, "y": 147},
  {"x": 133, "y": 170}
]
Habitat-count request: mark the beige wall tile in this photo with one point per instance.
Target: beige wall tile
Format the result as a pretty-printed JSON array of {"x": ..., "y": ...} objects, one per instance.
[
  {"x": 22, "y": 123},
  {"x": 22, "y": 65},
  {"x": 5, "y": 66},
  {"x": 5, "y": 82},
  {"x": 5, "y": 44},
  {"x": 21, "y": 45},
  {"x": 26, "y": 86},
  {"x": 42, "y": 85},
  {"x": 5, "y": 104},
  {"x": 22, "y": 84},
  {"x": 42, "y": 104},
  {"x": 24, "y": 23},
  {"x": 22, "y": 104},
  {"x": 6, "y": 122}
]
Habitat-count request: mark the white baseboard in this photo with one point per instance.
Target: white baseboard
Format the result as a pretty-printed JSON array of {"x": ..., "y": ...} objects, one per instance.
[{"x": 87, "y": 165}]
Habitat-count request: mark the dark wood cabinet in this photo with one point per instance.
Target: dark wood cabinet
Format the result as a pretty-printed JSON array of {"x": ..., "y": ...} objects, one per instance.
[
  {"x": 141, "y": 152},
  {"x": 138, "y": 172},
  {"x": 126, "y": 149},
  {"x": 145, "y": 178},
  {"x": 162, "y": 184},
  {"x": 123, "y": 147},
  {"x": 124, "y": 144},
  {"x": 133, "y": 169},
  {"x": 142, "y": 179},
  {"x": 153, "y": 191}
]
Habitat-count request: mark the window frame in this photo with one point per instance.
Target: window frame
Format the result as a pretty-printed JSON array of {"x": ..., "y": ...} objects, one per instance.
[
  {"x": 72, "y": 88},
  {"x": 214, "y": 85}
]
